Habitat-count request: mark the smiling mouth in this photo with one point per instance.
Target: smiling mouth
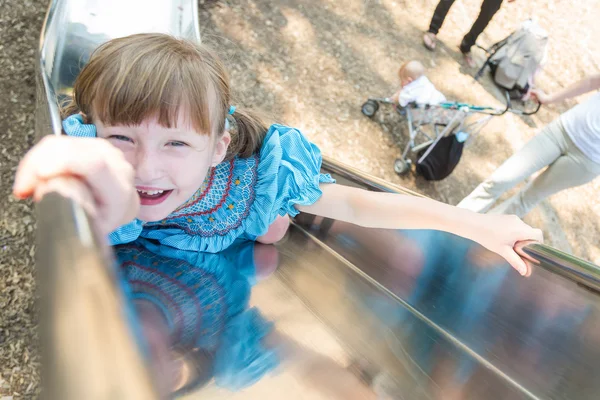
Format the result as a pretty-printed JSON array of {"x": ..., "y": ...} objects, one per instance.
[{"x": 152, "y": 197}]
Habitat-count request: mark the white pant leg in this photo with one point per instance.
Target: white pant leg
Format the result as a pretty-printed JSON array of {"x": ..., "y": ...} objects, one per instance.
[
  {"x": 571, "y": 169},
  {"x": 539, "y": 152}
]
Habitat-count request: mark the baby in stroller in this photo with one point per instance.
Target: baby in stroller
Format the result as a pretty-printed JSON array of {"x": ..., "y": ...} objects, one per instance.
[
  {"x": 415, "y": 86},
  {"x": 437, "y": 128}
]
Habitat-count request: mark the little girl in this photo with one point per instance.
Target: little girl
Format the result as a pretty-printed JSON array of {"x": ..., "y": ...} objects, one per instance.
[{"x": 180, "y": 165}]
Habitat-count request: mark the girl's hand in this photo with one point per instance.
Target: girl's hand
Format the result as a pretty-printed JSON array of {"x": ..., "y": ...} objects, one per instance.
[
  {"x": 500, "y": 234},
  {"x": 91, "y": 171}
]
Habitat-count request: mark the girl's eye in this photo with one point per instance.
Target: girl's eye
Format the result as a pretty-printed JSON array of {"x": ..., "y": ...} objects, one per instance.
[
  {"x": 120, "y": 137},
  {"x": 177, "y": 144}
]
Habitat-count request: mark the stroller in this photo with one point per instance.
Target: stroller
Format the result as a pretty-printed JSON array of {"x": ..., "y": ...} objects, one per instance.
[
  {"x": 437, "y": 133},
  {"x": 515, "y": 60}
]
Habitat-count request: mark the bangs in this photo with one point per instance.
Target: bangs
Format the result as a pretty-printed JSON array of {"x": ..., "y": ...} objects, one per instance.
[{"x": 127, "y": 83}]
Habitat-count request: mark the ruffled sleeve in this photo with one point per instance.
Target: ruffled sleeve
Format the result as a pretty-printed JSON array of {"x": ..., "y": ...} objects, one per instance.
[
  {"x": 299, "y": 176},
  {"x": 126, "y": 233},
  {"x": 74, "y": 126},
  {"x": 289, "y": 174}
]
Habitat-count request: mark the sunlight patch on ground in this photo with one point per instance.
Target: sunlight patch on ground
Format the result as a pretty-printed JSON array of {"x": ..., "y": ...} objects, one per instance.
[{"x": 237, "y": 28}]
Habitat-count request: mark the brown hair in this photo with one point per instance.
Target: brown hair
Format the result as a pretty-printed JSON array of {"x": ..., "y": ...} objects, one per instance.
[{"x": 130, "y": 79}]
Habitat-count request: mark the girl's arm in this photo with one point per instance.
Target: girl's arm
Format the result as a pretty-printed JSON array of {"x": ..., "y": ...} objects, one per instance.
[
  {"x": 498, "y": 233},
  {"x": 585, "y": 85}
]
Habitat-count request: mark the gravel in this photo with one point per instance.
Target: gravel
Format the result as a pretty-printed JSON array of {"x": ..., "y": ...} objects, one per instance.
[{"x": 20, "y": 25}]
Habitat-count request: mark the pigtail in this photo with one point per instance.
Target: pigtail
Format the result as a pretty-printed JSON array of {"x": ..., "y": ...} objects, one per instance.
[
  {"x": 68, "y": 107},
  {"x": 247, "y": 130}
]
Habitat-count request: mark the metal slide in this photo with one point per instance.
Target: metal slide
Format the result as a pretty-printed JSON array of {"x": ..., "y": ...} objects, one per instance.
[{"x": 357, "y": 313}]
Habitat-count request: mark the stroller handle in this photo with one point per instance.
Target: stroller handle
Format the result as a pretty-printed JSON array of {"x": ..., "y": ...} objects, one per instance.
[
  {"x": 478, "y": 109},
  {"x": 520, "y": 112},
  {"x": 494, "y": 111}
]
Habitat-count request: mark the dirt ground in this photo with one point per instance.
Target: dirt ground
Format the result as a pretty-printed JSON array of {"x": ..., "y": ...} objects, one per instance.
[
  {"x": 311, "y": 64},
  {"x": 20, "y": 25}
]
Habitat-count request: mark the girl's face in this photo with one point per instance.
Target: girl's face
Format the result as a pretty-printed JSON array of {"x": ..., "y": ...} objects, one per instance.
[{"x": 170, "y": 163}]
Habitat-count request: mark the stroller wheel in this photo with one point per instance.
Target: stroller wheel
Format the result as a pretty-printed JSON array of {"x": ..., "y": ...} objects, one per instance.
[
  {"x": 370, "y": 108},
  {"x": 402, "y": 166}
]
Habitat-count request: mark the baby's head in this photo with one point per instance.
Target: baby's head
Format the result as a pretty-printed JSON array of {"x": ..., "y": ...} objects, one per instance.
[
  {"x": 164, "y": 102},
  {"x": 410, "y": 71}
]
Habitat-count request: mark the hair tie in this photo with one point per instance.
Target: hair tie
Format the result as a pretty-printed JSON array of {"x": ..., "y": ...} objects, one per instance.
[{"x": 231, "y": 110}]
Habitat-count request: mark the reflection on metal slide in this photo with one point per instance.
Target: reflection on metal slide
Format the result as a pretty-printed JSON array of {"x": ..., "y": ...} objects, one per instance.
[{"x": 333, "y": 311}]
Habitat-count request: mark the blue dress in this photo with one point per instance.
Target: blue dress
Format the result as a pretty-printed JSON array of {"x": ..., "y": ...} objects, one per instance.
[{"x": 239, "y": 198}]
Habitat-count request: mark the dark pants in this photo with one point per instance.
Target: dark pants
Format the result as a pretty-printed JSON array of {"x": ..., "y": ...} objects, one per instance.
[{"x": 488, "y": 9}]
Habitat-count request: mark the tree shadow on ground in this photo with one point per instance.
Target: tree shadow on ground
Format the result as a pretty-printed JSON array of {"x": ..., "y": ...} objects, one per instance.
[{"x": 337, "y": 43}]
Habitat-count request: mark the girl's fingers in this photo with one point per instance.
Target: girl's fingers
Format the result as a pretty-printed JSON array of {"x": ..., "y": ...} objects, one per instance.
[
  {"x": 43, "y": 158},
  {"x": 106, "y": 180},
  {"x": 538, "y": 235},
  {"x": 134, "y": 206},
  {"x": 118, "y": 201},
  {"x": 517, "y": 262},
  {"x": 114, "y": 191},
  {"x": 72, "y": 188},
  {"x": 90, "y": 171},
  {"x": 56, "y": 156},
  {"x": 518, "y": 247}
]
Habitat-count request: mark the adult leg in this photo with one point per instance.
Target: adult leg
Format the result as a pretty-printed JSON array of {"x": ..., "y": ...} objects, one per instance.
[
  {"x": 439, "y": 15},
  {"x": 436, "y": 23},
  {"x": 488, "y": 9},
  {"x": 539, "y": 152},
  {"x": 570, "y": 170}
]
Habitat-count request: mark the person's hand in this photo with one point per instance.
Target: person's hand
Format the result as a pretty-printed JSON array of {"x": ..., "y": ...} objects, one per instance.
[
  {"x": 501, "y": 233},
  {"x": 91, "y": 171},
  {"x": 541, "y": 96}
]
